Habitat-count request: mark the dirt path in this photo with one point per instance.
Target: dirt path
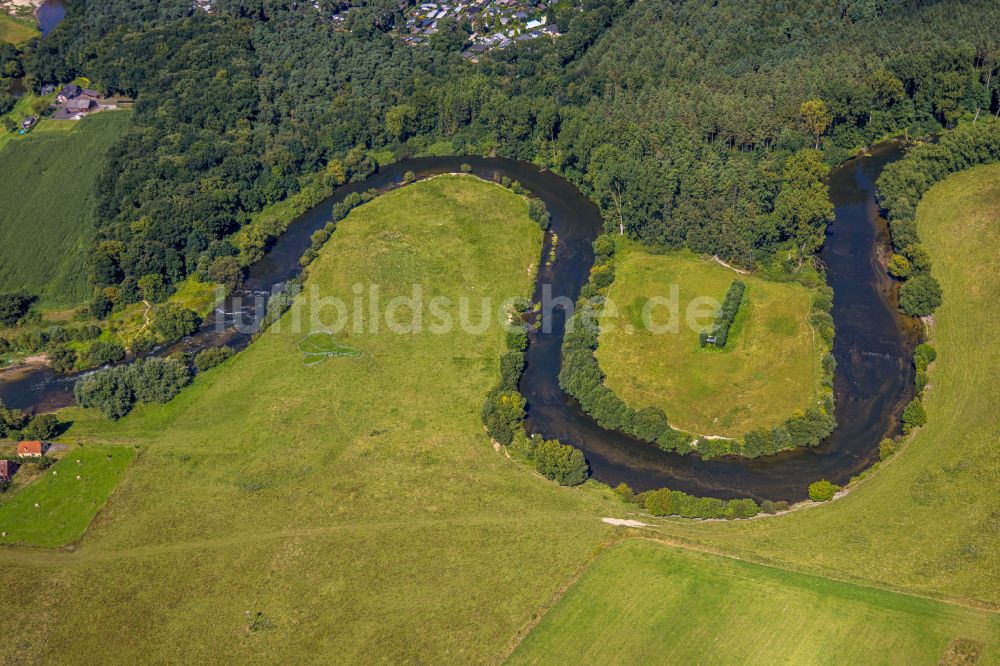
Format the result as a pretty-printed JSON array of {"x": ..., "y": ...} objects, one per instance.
[
  {"x": 719, "y": 260},
  {"x": 145, "y": 314}
]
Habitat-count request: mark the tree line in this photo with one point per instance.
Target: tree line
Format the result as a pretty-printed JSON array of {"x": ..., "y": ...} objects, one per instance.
[
  {"x": 678, "y": 118},
  {"x": 902, "y": 185}
]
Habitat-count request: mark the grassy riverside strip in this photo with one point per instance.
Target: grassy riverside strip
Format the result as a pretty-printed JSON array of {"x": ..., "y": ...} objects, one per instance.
[
  {"x": 503, "y": 410},
  {"x": 807, "y": 374},
  {"x": 327, "y": 495}
]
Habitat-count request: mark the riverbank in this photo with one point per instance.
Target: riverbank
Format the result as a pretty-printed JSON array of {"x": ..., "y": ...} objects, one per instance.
[
  {"x": 24, "y": 365},
  {"x": 331, "y": 469},
  {"x": 873, "y": 350},
  {"x": 938, "y": 490}
]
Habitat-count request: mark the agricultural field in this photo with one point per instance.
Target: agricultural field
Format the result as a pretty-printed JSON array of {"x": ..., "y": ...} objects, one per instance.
[
  {"x": 769, "y": 368},
  {"x": 56, "y": 508},
  {"x": 929, "y": 519},
  {"x": 643, "y": 602},
  {"x": 48, "y": 194},
  {"x": 351, "y": 510}
]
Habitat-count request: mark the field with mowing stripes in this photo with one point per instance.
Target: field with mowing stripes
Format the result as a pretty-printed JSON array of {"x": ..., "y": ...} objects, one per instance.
[
  {"x": 643, "y": 602},
  {"x": 47, "y": 190}
]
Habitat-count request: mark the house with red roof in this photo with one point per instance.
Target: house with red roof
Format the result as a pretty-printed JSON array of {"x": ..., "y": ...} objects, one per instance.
[{"x": 32, "y": 449}]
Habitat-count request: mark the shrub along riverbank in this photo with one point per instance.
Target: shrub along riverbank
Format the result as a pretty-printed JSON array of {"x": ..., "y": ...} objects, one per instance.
[{"x": 901, "y": 187}]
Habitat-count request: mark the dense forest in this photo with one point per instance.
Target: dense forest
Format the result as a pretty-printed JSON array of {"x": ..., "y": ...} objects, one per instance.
[{"x": 689, "y": 123}]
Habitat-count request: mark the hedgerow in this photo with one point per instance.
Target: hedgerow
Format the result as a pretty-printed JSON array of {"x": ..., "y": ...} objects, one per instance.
[
  {"x": 730, "y": 305},
  {"x": 666, "y": 502}
]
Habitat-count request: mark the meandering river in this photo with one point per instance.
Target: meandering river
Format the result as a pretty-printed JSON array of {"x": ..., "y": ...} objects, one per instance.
[
  {"x": 49, "y": 14},
  {"x": 873, "y": 347}
]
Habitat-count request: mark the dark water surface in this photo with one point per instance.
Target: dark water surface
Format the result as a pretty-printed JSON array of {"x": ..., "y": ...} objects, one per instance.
[
  {"x": 49, "y": 15},
  {"x": 873, "y": 347}
]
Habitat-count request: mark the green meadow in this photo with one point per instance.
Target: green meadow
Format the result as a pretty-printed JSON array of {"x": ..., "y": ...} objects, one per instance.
[
  {"x": 768, "y": 369},
  {"x": 16, "y": 29},
  {"x": 56, "y": 508},
  {"x": 354, "y": 510},
  {"x": 929, "y": 519},
  {"x": 643, "y": 602},
  {"x": 47, "y": 190},
  {"x": 348, "y": 511}
]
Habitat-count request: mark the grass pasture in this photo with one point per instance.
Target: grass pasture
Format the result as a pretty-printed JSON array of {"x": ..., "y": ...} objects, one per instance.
[
  {"x": 642, "y": 602},
  {"x": 354, "y": 510},
  {"x": 768, "y": 370},
  {"x": 47, "y": 190},
  {"x": 16, "y": 29},
  {"x": 929, "y": 520},
  {"x": 69, "y": 494},
  {"x": 348, "y": 511}
]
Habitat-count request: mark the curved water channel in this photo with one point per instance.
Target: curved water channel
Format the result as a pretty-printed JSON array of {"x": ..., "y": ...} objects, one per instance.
[
  {"x": 49, "y": 14},
  {"x": 873, "y": 346}
]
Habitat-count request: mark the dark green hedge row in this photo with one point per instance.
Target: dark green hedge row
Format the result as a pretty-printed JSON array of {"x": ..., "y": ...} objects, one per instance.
[
  {"x": 730, "y": 306},
  {"x": 914, "y": 414},
  {"x": 902, "y": 185},
  {"x": 922, "y": 358}
]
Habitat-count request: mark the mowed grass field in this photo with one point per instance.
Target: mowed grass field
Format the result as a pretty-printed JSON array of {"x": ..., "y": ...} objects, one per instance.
[
  {"x": 69, "y": 494},
  {"x": 768, "y": 370},
  {"x": 643, "y": 603},
  {"x": 348, "y": 511},
  {"x": 47, "y": 190},
  {"x": 14, "y": 29},
  {"x": 929, "y": 520}
]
